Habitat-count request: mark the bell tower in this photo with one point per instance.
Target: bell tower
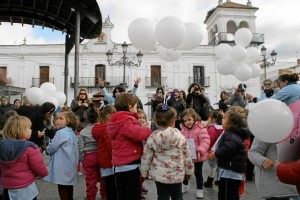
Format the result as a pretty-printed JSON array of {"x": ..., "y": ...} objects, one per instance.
[{"x": 226, "y": 18}]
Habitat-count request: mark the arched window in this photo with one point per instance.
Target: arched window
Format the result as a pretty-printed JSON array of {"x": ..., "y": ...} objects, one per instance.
[
  {"x": 244, "y": 24},
  {"x": 101, "y": 37}
]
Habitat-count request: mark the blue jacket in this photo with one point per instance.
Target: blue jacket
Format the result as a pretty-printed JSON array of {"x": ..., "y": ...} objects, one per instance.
[
  {"x": 288, "y": 94},
  {"x": 63, "y": 150},
  {"x": 109, "y": 98}
]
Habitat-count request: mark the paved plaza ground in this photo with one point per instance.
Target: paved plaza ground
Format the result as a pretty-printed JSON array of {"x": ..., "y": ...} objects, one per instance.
[{"x": 48, "y": 191}]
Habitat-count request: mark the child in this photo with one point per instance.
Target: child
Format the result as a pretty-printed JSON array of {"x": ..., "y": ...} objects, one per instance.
[
  {"x": 20, "y": 160},
  {"x": 142, "y": 118},
  {"x": 231, "y": 155},
  {"x": 198, "y": 138},
  {"x": 214, "y": 129},
  {"x": 88, "y": 155},
  {"x": 127, "y": 138},
  {"x": 105, "y": 151},
  {"x": 63, "y": 150},
  {"x": 167, "y": 157}
]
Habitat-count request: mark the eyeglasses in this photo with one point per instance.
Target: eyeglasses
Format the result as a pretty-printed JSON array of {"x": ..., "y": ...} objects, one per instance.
[{"x": 82, "y": 93}]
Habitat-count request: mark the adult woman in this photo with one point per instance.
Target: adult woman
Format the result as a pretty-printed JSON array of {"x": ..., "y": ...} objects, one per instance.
[
  {"x": 196, "y": 100},
  {"x": 179, "y": 104},
  {"x": 40, "y": 117},
  {"x": 157, "y": 98},
  {"x": 222, "y": 103},
  {"x": 17, "y": 103},
  {"x": 80, "y": 105},
  {"x": 118, "y": 90}
]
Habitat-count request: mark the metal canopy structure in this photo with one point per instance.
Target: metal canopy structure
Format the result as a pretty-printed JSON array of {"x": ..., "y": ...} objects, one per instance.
[
  {"x": 57, "y": 15},
  {"x": 80, "y": 19}
]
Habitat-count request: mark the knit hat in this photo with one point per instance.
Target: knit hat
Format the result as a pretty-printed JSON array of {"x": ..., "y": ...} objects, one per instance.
[{"x": 48, "y": 107}]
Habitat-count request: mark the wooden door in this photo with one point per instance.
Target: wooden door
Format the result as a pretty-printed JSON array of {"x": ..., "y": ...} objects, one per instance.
[
  {"x": 155, "y": 75},
  {"x": 3, "y": 74},
  {"x": 44, "y": 74}
]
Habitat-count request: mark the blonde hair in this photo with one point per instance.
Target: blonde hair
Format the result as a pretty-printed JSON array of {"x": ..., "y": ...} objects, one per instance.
[
  {"x": 15, "y": 127},
  {"x": 140, "y": 111}
]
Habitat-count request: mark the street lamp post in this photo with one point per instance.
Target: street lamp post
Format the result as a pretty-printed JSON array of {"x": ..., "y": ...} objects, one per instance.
[
  {"x": 124, "y": 61},
  {"x": 264, "y": 62}
]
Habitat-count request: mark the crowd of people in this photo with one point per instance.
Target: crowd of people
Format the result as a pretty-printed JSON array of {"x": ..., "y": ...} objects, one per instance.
[{"x": 119, "y": 147}]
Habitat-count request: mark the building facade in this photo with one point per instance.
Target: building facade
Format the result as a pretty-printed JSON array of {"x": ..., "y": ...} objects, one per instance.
[{"x": 24, "y": 66}]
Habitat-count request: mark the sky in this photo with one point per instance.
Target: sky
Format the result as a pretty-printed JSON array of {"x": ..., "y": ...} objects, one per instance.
[{"x": 276, "y": 19}]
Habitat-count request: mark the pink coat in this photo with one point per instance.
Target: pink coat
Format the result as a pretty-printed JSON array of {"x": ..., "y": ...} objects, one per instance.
[
  {"x": 22, "y": 172},
  {"x": 126, "y": 137},
  {"x": 201, "y": 138}
]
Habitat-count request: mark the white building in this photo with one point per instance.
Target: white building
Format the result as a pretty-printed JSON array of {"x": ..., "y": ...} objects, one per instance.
[{"x": 23, "y": 66}]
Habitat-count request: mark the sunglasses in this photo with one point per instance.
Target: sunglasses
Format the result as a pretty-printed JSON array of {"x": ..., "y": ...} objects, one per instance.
[
  {"x": 82, "y": 93},
  {"x": 267, "y": 84}
]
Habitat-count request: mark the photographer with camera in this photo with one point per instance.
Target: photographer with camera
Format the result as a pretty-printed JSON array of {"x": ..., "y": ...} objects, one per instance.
[
  {"x": 80, "y": 105},
  {"x": 238, "y": 98},
  {"x": 196, "y": 100}
]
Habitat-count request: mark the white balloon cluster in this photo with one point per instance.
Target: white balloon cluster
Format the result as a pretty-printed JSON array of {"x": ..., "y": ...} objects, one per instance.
[
  {"x": 46, "y": 93},
  {"x": 237, "y": 60},
  {"x": 171, "y": 34}
]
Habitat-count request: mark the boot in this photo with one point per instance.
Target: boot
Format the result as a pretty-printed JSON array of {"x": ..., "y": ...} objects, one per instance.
[{"x": 209, "y": 182}]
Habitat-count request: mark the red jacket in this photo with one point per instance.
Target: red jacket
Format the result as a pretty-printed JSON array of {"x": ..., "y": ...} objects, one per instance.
[
  {"x": 126, "y": 137},
  {"x": 22, "y": 171},
  {"x": 214, "y": 132},
  {"x": 289, "y": 173},
  {"x": 99, "y": 133}
]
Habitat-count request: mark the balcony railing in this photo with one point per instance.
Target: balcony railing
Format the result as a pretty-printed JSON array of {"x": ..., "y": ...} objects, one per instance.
[
  {"x": 91, "y": 82},
  {"x": 155, "y": 82},
  {"x": 257, "y": 39},
  {"x": 203, "y": 81},
  {"x": 37, "y": 82}
]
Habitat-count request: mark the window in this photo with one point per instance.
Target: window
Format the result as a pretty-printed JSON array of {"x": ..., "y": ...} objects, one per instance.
[
  {"x": 155, "y": 75},
  {"x": 3, "y": 74},
  {"x": 100, "y": 72},
  {"x": 101, "y": 37},
  {"x": 198, "y": 72},
  {"x": 44, "y": 74}
]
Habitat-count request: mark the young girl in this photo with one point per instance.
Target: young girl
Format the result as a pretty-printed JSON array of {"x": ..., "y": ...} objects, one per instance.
[
  {"x": 231, "y": 155},
  {"x": 63, "y": 150},
  {"x": 214, "y": 129},
  {"x": 142, "y": 118},
  {"x": 127, "y": 138},
  {"x": 100, "y": 134},
  {"x": 167, "y": 157},
  {"x": 198, "y": 138},
  {"x": 20, "y": 160},
  {"x": 88, "y": 155}
]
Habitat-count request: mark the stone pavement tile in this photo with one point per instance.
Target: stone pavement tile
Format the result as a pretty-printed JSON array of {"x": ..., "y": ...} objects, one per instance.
[{"x": 49, "y": 191}]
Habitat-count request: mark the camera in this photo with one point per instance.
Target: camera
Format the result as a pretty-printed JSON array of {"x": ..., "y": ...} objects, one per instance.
[
  {"x": 196, "y": 88},
  {"x": 241, "y": 88}
]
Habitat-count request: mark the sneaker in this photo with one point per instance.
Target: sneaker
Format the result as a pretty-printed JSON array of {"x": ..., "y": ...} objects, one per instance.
[
  {"x": 185, "y": 188},
  {"x": 199, "y": 194}
]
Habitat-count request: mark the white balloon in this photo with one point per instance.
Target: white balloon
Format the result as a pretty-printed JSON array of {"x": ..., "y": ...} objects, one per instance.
[
  {"x": 243, "y": 72},
  {"x": 265, "y": 120},
  {"x": 170, "y": 32},
  {"x": 252, "y": 55},
  {"x": 193, "y": 37},
  {"x": 168, "y": 54},
  {"x": 225, "y": 67},
  {"x": 48, "y": 88},
  {"x": 35, "y": 95},
  {"x": 141, "y": 34},
  {"x": 243, "y": 37},
  {"x": 255, "y": 70},
  {"x": 61, "y": 98},
  {"x": 52, "y": 99},
  {"x": 238, "y": 54},
  {"x": 223, "y": 51}
]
